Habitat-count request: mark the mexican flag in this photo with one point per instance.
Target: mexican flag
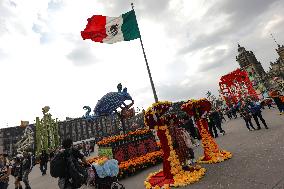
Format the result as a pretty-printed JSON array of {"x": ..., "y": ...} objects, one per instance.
[{"x": 106, "y": 29}]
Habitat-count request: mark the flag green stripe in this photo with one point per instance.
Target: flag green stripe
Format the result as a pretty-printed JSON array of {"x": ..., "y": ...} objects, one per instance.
[{"x": 129, "y": 27}]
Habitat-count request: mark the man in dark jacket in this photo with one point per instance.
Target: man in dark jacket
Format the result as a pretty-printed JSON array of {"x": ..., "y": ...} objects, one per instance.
[
  {"x": 256, "y": 113},
  {"x": 43, "y": 162},
  {"x": 212, "y": 126},
  {"x": 217, "y": 120},
  {"x": 67, "y": 144}
]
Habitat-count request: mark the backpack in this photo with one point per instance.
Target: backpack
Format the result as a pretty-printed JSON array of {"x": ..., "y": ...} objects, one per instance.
[
  {"x": 58, "y": 166},
  {"x": 76, "y": 171}
]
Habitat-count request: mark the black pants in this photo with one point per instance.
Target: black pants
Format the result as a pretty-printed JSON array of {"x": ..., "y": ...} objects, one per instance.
[
  {"x": 43, "y": 167},
  {"x": 219, "y": 126},
  {"x": 192, "y": 131},
  {"x": 212, "y": 127},
  {"x": 249, "y": 123},
  {"x": 256, "y": 116}
]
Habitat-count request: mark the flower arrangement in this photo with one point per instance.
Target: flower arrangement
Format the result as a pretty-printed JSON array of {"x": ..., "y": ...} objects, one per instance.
[
  {"x": 154, "y": 114},
  {"x": 113, "y": 139},
  {"x": 212, "y": 154},
  {"x": 133, "y": 165},
  {"x": 98, "y": 160},
  {"x": 157, "y": 117},
  {"x": 196, "y": 108}
]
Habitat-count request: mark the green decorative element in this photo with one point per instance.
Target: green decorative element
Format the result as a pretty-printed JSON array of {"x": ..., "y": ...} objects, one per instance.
[
  {"x": 106, "y": 151},
  {"x": 47, "y": 137}
]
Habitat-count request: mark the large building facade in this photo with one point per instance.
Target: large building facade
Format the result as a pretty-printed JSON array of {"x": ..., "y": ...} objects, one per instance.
[{"x": 262, "y": 81}]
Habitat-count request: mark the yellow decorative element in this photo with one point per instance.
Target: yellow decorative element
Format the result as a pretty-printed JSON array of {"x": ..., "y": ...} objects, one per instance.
[
  {"x": 211, "y": 148},
  {"x": 217, "y": 158},
  {"x": 180, "y": 177}
]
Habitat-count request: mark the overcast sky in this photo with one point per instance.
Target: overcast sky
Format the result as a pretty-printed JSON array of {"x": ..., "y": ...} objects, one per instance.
[{"x": 189, "y": 44}]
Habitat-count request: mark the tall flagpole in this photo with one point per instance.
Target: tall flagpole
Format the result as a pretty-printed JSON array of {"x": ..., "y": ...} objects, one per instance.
[{"x": 147, "y": 65}]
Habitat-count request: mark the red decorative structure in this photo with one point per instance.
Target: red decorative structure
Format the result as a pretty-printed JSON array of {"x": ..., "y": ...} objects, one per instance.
[{"x": 235, "y": 86}]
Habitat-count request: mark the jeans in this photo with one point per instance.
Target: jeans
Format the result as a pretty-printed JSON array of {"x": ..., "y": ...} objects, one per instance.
[{"x": 3, "y": 185}]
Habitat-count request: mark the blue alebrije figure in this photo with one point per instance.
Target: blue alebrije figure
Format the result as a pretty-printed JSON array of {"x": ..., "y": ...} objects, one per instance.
[{"x": 109, "y": 103}]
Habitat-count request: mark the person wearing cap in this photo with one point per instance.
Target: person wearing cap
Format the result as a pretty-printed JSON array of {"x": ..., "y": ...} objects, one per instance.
[{"x": 5, "y": 171}]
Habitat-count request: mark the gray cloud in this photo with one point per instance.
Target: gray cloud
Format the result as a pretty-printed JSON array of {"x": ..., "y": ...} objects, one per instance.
[
  {"x": 218, "y": 59},
  {"x": 144, "y": 8},
  {"x": 243, "y": 18},
  {"x": 81, "y": 55},
  {"x": 54, "y": 5},
  {"x": 175, "y": 92}
]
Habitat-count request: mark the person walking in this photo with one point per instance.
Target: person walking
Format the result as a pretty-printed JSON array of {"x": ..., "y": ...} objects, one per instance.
[
  {"x": 17, "y": 171},
  {"x": 221, "y": 115},
  {"x": 211, "y": 125},
  {"x": 217, "y": 121},
  {"x": 27, "y": 166},
  {"x": 256, "y": 113},
  {"x": 43, "y": 162},
  {"x": 5, "y": 171},
  {"x": 245, "y": 114},
  {"x": 66, "y": 181}
]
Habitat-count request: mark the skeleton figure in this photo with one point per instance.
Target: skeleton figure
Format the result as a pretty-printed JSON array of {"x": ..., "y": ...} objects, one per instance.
[{"x": 26, "y": 141}]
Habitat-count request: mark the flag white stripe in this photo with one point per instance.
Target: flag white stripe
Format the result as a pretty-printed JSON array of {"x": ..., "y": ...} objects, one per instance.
[{"x": 113, "y": 30}]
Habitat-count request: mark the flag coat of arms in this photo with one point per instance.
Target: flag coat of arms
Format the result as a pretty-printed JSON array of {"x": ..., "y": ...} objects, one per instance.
[{"x": 110, "y": 30}]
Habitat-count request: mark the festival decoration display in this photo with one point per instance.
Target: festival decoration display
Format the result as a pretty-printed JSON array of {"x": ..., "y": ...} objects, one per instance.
[
  {"x": 134, "y": 151},
  {"x": 131, "y": 145},
  {"x": 198, "y": 109},
  {"x": 172, "y": 174},
  {"x": 27, "y": 140},
  {"x": 235, "y": 86},
  {"x": 46, "y": 132},
  {"x": 109, "y": 103}
]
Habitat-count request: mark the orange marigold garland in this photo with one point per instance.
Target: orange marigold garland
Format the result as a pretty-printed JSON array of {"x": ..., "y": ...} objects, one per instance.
[
  {"x": 212, "y": 154},
  {"x": 172, "y": 173}
]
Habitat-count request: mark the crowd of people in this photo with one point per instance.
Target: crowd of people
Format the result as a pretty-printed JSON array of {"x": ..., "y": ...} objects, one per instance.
[
  {"x": 22, "y": 164},
  {"x": 19, "y": 167}
]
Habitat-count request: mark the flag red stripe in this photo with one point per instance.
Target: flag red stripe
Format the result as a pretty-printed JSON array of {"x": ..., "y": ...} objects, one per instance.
[{"x": 95, "y": 29}]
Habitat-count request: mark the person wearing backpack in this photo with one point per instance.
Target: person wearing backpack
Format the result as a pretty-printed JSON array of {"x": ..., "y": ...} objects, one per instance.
[
  {"x": 73, "y": 175},
  {"x": 256, "y": 113}
]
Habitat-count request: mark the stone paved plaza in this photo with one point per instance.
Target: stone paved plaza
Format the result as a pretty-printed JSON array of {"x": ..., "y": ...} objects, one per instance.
[{"x": 257, "y": 163}]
